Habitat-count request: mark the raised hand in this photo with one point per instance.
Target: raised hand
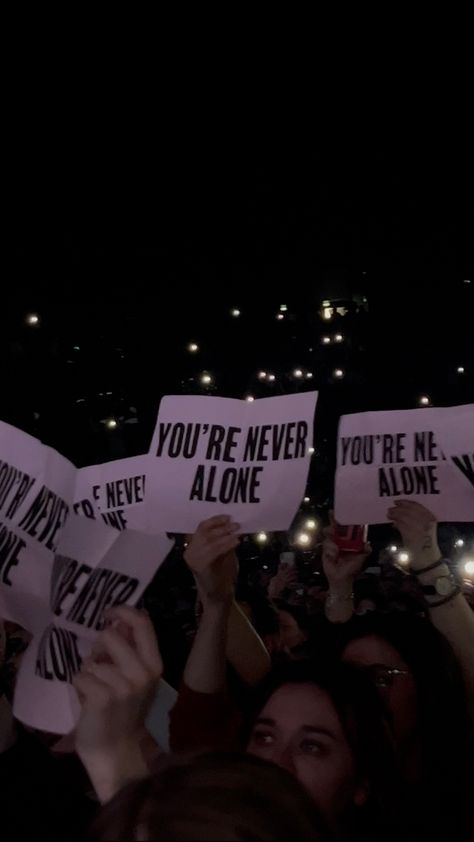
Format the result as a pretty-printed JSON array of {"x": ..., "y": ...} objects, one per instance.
[
  {"x": 418, "y": 528},
  {"x": 116, "y": 686},
  {"x": 211, "y": 557}
]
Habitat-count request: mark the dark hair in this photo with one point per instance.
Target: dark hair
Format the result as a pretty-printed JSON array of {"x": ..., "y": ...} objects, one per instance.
[
  {"x": 210, "y": 797},
  {"x": 364, "y": 724},
  {"x": 443, "y": 719}
]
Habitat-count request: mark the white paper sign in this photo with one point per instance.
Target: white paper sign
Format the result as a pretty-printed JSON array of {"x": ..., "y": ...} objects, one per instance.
[
  {"x": 222, "y": 456},
  {"x": 115, "y": 492},
  {"x": 388, "y": 456},
  {"x": 36, "y": 489},
  {"x": 457, "y": 442},
  {"x": 95, "y": 567}
]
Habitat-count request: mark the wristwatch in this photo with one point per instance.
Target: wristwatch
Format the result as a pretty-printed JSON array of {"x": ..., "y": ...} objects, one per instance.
[{"x": 442, "y": 586}]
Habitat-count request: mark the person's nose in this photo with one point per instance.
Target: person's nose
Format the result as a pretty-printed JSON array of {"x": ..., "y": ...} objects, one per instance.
[{"x": 283, "y": 757}]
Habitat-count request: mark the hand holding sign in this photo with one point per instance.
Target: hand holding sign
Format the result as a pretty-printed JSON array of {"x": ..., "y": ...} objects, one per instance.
[
  {"x": 116, "y": 687},
  {"x": 212, "y": 559},
  {"x": 418, "y": 528}
]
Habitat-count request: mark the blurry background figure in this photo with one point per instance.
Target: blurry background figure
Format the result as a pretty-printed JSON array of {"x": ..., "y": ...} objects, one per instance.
[{"x": 211, "y": 797}]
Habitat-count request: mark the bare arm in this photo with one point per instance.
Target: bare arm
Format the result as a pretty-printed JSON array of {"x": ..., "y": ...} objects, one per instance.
[
  {"x": 341, "y": 570},
  {"x": 454, "y": 619},
  {"x": 246, "y": 651}
]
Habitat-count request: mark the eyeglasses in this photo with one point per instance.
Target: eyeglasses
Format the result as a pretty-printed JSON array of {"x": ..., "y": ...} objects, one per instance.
[{"x": 384, "y": 676}]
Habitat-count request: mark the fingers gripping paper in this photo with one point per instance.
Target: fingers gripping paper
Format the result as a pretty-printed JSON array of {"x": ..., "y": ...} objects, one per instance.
[
  {"x": 94, "y": 568},
  {"x": 413, "y": 454},
  {"x": 218, "y": 455}
]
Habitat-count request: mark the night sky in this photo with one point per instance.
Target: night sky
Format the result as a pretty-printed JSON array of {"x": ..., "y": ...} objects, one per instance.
[{"x": 128, "y": 261}]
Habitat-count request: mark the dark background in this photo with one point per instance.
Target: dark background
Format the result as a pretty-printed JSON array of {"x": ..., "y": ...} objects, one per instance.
[{"x": 127, "y": 256}]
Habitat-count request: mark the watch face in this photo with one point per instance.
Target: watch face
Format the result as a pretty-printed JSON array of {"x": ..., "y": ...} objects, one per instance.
[{"x": 444, "y": 585}]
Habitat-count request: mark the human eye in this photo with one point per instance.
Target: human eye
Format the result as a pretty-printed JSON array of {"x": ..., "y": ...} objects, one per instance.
[
  {"x": 312, "y": 747},
  {"x": 262, "y": 737}
]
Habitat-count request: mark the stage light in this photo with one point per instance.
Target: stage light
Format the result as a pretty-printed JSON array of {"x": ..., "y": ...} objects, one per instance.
[
  {"x": 338, "y": 337},
  {"x": 111, "y": 423},
  {"x": 338, "y": 373},
  {"x": 235, "y": 313},
  {"x": 459, "y": 543},
  {"x": 460, "y": 369},
  {"x": 469, "y": 568},
  {"x": 192, "y": 347},
  {"x": 297, "y": 373},
  {"x": 206, "y": 379},
  {"x": 303, "y": 539},
  {"x": 424, "y": 400},
  {"x": 311, "y": 524},
  {"x": 262, "y": 375},
  {"x": 250, "y": 398},
  {"x": 261, "y": 537},
  {"x": 32, "y": 319},
  {"x": 403, "y": 558}
]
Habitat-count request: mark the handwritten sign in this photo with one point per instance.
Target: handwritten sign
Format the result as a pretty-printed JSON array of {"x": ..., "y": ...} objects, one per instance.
[{"x": 385, "y": 456}]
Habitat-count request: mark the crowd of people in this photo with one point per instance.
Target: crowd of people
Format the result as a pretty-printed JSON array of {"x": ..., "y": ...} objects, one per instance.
[{"x": 329, "y": 698}]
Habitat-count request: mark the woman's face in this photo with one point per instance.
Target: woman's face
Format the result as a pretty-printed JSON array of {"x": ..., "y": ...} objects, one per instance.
[
  {"x": 394, "y": 681},
  {"x": 299, "y": 730}
]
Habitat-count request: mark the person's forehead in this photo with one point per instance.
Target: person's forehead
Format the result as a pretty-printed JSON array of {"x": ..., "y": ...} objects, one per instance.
[
  {"x": 295, "y": 705},
  {"x": 366, "y": 651}
]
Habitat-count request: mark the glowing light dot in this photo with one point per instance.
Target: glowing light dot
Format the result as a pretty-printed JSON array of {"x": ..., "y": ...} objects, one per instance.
[
  {"x": 262, "y": 375},
  {"x": 309, "y": 375},
  {"x": 403, "y": 558},
  {"x": 249, "y": 398},
  {"x": 460, "y": 369},
  {"x": 424, "y": 400},
  {"x": 297, "y": 373},
  {"x": 459, "y": 543},
  {"x": 280, "y": 317},
  {"x": 311, "y": 450},
  {"x": 32, "y": 319},
  {"x": 206, "y": 379},
  {"x": 192, "y": 347},
  {"x": 261, "y": 537},
  {"x": 306, "y": 499},
  {"x": 271, "y": 378},
  {"x": 327, "y": 313},
  {"x": 326, "y": 340},
  {"x": 235, "y": 313},
  {"x": 393, "y": 548},
  {"x": 283, "y": 308},
  {"x": 111, "y": 423},
  {"x": 303, "y": 539},
  {"x": 338, "y": 337},
  {"x": 467, "y": 281},
  {"x": 469, "y": 568},
  {"x": 311, "y": 524},
  {"x": 338, "y": 373}
]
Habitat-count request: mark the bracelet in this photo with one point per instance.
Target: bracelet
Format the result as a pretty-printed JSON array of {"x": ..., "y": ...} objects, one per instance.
[
  {"x": 445, "y": 599},
  {"x": 429, "y": 567}
]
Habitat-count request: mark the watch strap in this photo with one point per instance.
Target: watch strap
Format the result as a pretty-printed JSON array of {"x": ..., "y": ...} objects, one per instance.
[{"x": 432, "y": 566}]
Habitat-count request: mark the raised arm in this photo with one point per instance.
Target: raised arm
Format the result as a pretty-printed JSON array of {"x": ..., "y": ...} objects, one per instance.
[
  {"x": 116, "y": 687},
  {"x": 449, "y": 610},
  {"x": 211, "y": 557},
  {"x": 341, "y": 571}
]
